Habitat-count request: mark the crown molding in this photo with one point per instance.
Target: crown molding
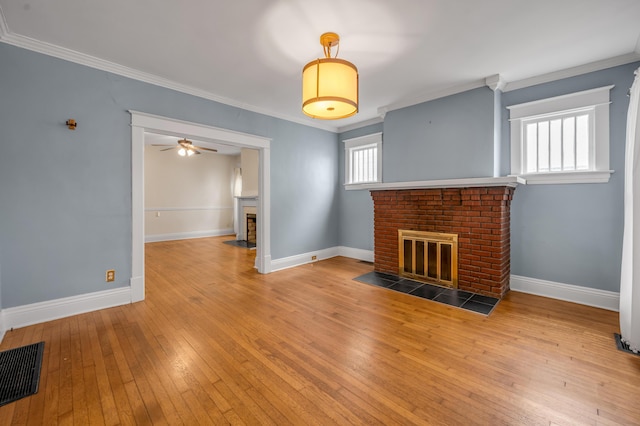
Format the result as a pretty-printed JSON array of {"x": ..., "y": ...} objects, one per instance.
[
  {"x": 430, "y": 96},
  {"x": 6, "y": 36},
  {"x": 574, "y": 71},
  {"x": 93, "y": 62},
  {"x": 360, "y": 124},
  {"x": 495, "y": 82}
]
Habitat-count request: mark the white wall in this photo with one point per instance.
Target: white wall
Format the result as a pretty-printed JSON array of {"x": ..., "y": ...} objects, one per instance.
[
  {"x": 187, "y": 197},
  {"x": 250, "y": 161}
]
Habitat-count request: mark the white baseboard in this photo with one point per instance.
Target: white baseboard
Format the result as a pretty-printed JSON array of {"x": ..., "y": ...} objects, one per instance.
[
  {"x": 354, "y": 253},
  {"x": 137, "y": 289},
  {"x": 187, "y": 235},
  {"x": 35, "y": 313},
  {"x": 571, "y": 293},
  {"x": 302, "y": 259},
  {"x": 266, "y": 264}
]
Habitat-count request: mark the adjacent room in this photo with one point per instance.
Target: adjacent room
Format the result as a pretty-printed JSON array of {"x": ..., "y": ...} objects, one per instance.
[
  {"x": 281, "y": 212},
  {"x": 214, "y": 193}
]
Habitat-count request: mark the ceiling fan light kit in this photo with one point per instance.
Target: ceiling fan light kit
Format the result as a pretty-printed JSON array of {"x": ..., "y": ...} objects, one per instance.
[
  {"x": 186, "y": 148},
  {"x": 329, "y": 85},
  {"x": 186, "y": 152}
]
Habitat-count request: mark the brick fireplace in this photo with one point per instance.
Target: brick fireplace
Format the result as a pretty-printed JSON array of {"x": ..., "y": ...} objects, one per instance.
[{"x": 480, "y": 216}]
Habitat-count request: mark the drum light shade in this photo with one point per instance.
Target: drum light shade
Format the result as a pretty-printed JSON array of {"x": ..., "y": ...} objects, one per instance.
[{"x": 329, "y": 85}]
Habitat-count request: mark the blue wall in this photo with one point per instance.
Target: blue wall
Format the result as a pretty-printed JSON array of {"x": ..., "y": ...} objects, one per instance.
[
  {"x": 65, "y": 197},
  {"x": 446, "y": 138},
  {"x": 356, "y": 206},
  {"x": 562, "y": 233},
  {"x": 65, "y": 212},
  {"x": 573, "y": 233}
]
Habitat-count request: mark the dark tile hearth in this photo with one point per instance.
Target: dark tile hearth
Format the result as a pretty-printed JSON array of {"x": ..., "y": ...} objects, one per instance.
[
  {"x": 378, "y": 278},
  {"x": 479, "y": 307},
  {"x": 240, "y": 243},
  {"x": 405, "y": 286},
  {"x": 623, "y": 346},
  {"x": 449, "y": 296},
  {"x": 453, "y": 297}
]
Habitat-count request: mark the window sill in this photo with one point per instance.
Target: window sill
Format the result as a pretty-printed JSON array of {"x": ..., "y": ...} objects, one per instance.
[{"x": 601, "y": 176}]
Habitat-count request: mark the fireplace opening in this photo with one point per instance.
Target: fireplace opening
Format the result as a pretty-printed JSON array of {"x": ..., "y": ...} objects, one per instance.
[
  {"x": 428, "y": 256},
  {"x": 251, "y": 228}
]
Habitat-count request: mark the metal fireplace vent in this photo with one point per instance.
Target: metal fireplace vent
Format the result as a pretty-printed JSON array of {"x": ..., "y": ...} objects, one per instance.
[{"x": 428, "y": 256}]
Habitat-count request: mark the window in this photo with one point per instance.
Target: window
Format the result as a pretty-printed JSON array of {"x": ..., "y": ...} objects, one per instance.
[
  {"x": 561, "y": 142},
  {"x": 363, "y": 159},
  {"x": 563, "y": 139}
]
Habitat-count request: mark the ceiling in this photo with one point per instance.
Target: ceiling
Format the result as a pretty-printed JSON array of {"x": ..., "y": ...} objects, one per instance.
[{"x": 251, "y": 53}]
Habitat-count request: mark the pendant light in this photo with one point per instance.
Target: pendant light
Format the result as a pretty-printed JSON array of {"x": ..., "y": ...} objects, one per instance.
[{"x": 329, "y": 85}]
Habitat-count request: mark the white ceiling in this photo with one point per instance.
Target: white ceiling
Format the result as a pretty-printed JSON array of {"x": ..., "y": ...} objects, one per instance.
[{"x": 250, "y": 53}]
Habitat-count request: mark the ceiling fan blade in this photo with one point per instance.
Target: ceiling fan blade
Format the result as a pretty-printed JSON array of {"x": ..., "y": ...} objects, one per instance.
[
  {"x": 167, "y": 149},
  {"x": 206, "y": 149},
  {"x": 161, "y": 144}
]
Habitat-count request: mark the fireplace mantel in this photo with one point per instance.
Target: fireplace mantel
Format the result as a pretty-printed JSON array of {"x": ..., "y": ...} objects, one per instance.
[
  {"x": 479, "y": 215},
  {"x": 441, "y": 183}
]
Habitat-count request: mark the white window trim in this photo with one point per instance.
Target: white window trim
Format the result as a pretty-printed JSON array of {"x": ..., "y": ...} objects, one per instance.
[
  {"x": 599, "y": 99},
  {"x": 374, "y": 138}
]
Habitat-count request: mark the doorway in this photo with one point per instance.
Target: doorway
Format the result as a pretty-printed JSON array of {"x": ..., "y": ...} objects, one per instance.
[{"x": 143, "y": 122}]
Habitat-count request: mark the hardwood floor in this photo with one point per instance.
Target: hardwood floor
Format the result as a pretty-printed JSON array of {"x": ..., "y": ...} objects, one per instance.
[{"x": 216, "y": 343}]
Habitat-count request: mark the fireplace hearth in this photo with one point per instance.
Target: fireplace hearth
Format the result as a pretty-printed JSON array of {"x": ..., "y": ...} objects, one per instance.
[{"x": 478, "y": 216}]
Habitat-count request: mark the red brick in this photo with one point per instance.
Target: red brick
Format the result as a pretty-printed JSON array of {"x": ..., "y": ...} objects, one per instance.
[{"x": 480, "y": 217}]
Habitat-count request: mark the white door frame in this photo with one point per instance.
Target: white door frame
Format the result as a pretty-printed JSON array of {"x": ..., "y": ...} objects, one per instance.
[{"x": 142, "y": 122}]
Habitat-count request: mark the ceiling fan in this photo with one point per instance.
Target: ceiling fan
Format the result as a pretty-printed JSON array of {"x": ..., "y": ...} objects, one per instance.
[{"x": 187, "y": 148}]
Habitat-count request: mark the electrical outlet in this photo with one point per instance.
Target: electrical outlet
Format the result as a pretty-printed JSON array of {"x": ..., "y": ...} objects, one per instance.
[
  {"x": 111, "y": 275},
  {"x": 314, "y": 257}
]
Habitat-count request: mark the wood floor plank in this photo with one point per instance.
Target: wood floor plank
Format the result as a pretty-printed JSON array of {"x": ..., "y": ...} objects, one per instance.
[
  {"x": 65, "y": 398},
  {"x": 113, "y": 393},
  {"x": 214, "y": 342},
  {"x": 51, "y": 359},
  {"x": 79, "y": 385}
]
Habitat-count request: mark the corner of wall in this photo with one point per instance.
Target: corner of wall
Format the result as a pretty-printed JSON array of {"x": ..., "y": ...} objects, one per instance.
[
  {"x": 2, "y": 327},
  {"x": 4, "y": 28}
]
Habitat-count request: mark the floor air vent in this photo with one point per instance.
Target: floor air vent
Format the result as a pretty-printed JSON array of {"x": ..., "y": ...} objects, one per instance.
[{"x": 20, "y": 372}]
